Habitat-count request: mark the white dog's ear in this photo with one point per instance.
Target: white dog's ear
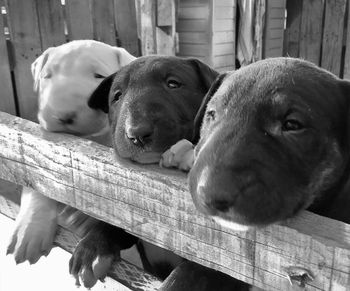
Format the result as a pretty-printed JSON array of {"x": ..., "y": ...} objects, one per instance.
[
  {"x": 124, "y": 57},
  {"x": 38, "y": 65}
]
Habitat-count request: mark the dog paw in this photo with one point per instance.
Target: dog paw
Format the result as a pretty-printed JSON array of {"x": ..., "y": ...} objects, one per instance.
[
  {"x": 32, "y": 238},
  {"x": 180, "y": 155},
  {"x": 92, "y": 259}
]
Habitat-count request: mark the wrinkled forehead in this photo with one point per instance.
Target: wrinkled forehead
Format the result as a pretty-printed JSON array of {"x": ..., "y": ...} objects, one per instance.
[
  {"x": 156, "y": 68},
  {"x": 85, "y": 58},
  {"x": 278, "y": 83}
]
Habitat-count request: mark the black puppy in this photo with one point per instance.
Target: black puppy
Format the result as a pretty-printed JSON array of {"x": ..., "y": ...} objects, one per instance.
[
  {"x": 151, "y": 104},
  {"x": 274, "y": 140}
]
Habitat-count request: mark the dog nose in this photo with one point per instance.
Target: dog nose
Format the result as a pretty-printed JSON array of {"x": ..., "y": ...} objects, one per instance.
[
  {"x": 67, "y": 119},
  {"x": 140, "y": 135},
  {"x": 216, "y": 191}
]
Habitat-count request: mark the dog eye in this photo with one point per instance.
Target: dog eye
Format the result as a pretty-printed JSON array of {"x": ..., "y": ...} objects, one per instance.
[
  {"x": 173, "y": 84},
  {"x": 98, "y": 76},
  {"x": 117, "y": 96},
  {"x": 292, "y": 125},
  {"x": 211, "y": 114}
]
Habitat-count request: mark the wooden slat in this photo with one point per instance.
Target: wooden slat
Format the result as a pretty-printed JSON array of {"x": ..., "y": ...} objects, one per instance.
[
  {"x": 26, "y": 44},
  {"x": 103, "y": 21},
  {"x": 79, "y": 19},
  {"x": 51, "y": 23},
  {"x": 346, "y": 74},
  {"x": 7, "y": 99},
  {"x": 126, "y": 24},
  {"x": 292, "y": 31},
  {"x": 165, "y": 30},
  {"x": 155, "y": 204},
  {"x": 148, "y": 10},
  {"x": 124, "y": 276},
  {"x": 333, "y": 35},
  {"x": 311, "y": 30}
]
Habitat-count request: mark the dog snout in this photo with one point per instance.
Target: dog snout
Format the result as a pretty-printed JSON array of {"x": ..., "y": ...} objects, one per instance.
[
  {"x": 141, "y": 134},
  {"x": 68, "y": 118}
]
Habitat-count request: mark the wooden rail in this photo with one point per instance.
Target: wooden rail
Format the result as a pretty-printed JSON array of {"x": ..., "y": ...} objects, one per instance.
[{"x": 155, "y": 204}]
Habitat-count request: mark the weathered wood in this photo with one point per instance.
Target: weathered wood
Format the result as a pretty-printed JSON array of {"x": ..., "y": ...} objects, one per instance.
[
  {"x": 79, "y": 19},
  {"x": 333, "y": 35},
  {"x": 103, "y": 21},
  {"x": 165, "y": 30},
  {"x": 346, "y": 73},
  {"x": 7, "y": 99},
  {"x": 26, "y": 43},
  {"x": 292, "y": 31},
  {"x": 51, "y": 23},
  {"x": 311, "y": 30},
  {"x": 132, "y": 277},
  {"x": 155, "y": 204},
  {"x": 148, "y": 27},
  {"x": 126, "y": 24}
]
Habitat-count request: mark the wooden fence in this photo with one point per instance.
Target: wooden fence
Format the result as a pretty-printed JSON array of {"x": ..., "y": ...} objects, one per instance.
[{"x": 155, "y": 204}]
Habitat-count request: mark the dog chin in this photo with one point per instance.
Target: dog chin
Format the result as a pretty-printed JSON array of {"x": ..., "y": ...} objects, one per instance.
[
  {"x": 147, "y": 158},
  {"x": 231, "y": 225}
]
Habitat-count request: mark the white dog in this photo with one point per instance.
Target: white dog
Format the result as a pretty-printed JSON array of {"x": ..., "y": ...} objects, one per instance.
[{"x": 64, "y": 78}]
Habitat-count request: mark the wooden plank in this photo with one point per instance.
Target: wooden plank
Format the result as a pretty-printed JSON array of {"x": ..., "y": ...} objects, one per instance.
[
  {"x": 223, "y": 36},
  {"x": 333, "y": 35},
  {"x": 223, "y": 25},
  {"x": 165, "y": 30},
  {"x": 26, "y": 43},
  {"x": 148, "y": 27},
  {"x": 194, "y": 49},
  {"x": 220, "y": 61},
  {"x": 192, "y": 25},
  {"x": 126, "y": 25},
  {"x": 224, "y": 49},
  {"x": 155, "y": 204},
  {"x": 346, "y": 73},
  {"x": 79, "y": 19},
  {"x": 123, "y": 275},
  {"x": 274, "y": 20},
  {"x": 292, "y": 31},
  {"x": 311, "y": 30},
  {"x": 201, "y": 12},
  {"x": 103, "y": 21},
  {"x": 7, "y": 98},
  {"x": 194, "y": 37},
  {"x": 165, "y": 13},
  {"x": 51, "y": 23}
]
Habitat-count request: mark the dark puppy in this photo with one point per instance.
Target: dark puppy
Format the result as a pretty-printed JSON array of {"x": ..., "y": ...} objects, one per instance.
[
  {"x": 274, "y": 140},
  {"x": 151, "y": 104}
]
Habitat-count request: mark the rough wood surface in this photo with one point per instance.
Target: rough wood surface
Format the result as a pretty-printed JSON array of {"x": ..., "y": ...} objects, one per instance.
[
  {"x": 333, "y": 35},
  {"x": 26, "y": 43},
  {"x": 155, "y": 204},
  {"x": 292, "y": 31},
  {"x": 311, "y": 30},
  {"x": 148, "y": 26},
  {"x": 132, "y": 277},
  {"x": 7, "y": 99}
]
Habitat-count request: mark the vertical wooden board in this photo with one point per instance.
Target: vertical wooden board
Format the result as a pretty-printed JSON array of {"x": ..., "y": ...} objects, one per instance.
[
  {"x": 7, "y": 98},
  {"x": 125, "y": 14},
  {"x": 165, "y": 30},
  {"x": 346, "y": 74},
  {"x": 26, "y": 43},
  {"x": 51, "y": 22},
  {"x": 274, "y": 20},
  {"x": 103, "y": 21},
  {"x": 333, "y": 35},
  {"x": 79, "y": 19},
  {"x": 148, "y": 27},
  {"x": 311, "y": 30},
  {"x": 292, "y": 31}
]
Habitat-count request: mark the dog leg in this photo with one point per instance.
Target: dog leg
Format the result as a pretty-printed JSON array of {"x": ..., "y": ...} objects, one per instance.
[
  {"x": 35, "y": 227},
  {"x": 180, "y": 155},
  {"x": 96, "y": 252}
]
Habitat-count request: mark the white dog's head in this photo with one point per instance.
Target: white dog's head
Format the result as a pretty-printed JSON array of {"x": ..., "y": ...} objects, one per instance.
[{"x": 64, "y": 78}]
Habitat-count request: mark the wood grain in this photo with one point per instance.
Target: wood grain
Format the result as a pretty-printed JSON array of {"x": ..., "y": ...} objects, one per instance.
[
  {"x": 148, "y": 10},
  {"x": 26, "y": 43},
  {"x": 155, "y": 204},
  {"x": 124, "y": 276},
  {"x": 7, "y": 99},
  {"x": 79, "y": 19},
  {"x": 292, "y": 31},
  {"x": 333, "y": 35}
]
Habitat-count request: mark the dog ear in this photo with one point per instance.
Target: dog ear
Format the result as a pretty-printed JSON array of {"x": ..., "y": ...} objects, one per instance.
[
  {"x": 200, "y": 114},
  {"x": 99, "y": 98},
  {"x": 123, "y": 56},
  {"x": 206, "y": 73},
  {"x": 38, "y": 65}
]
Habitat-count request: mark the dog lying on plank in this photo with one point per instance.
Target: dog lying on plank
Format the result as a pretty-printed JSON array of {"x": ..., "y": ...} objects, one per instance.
[
  {"x": 274, "y": 140},
  {"x": 152, "y": 103},
  {"x": 64, "y": 77}
]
